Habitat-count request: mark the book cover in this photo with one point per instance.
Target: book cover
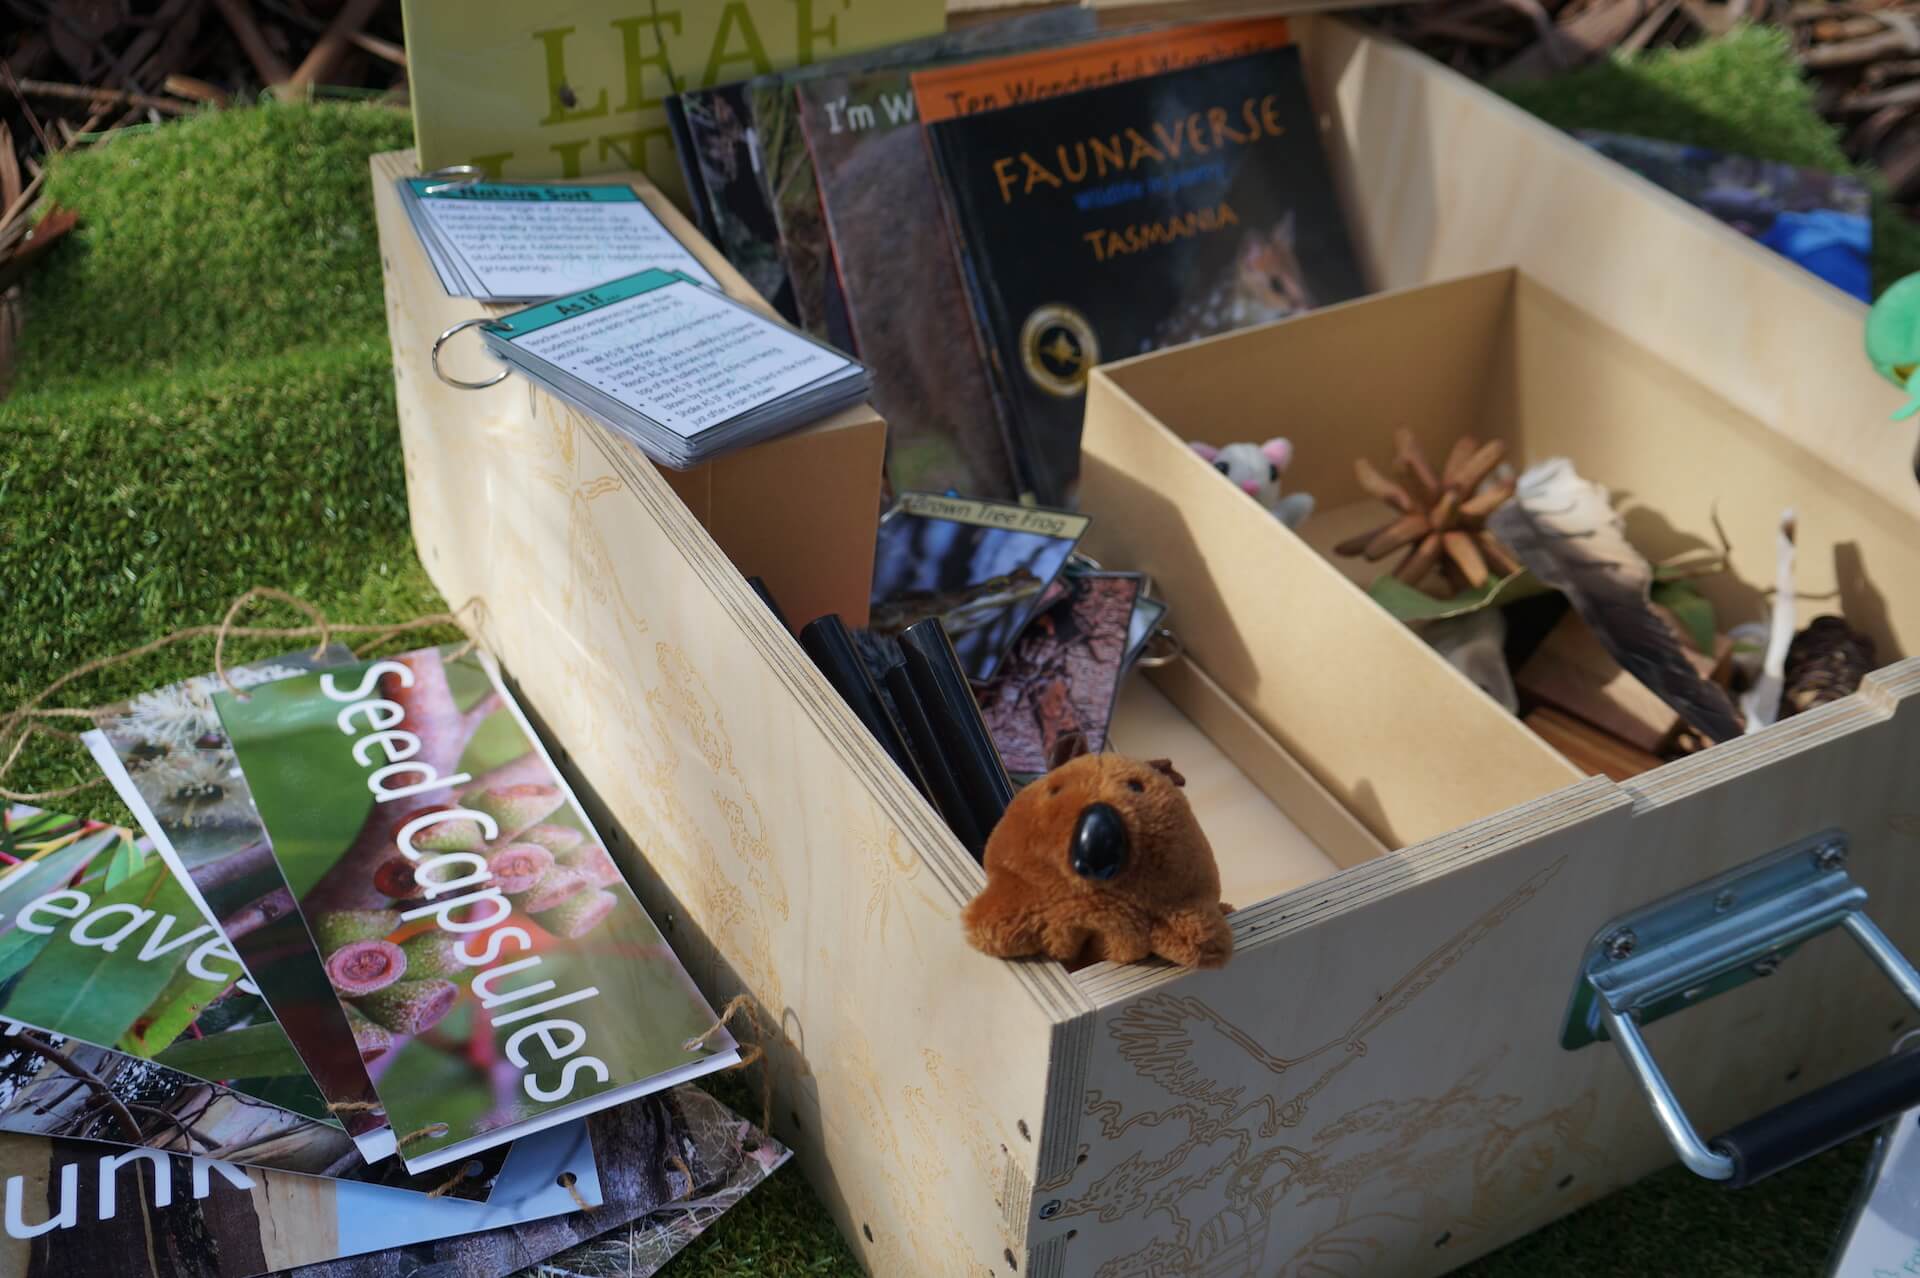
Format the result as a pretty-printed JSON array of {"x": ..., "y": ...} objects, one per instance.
[
  {"x": 670, "y": 1166},
  {"x": 173, "y": 767},
  {"x": 903, "y": 301},
  {"x": 1139, "y": 215},
  {"x": 736, "y": 214},
  {"x": 945, "y": 93},
  {"x": 99, "y": 942},
  {"x": 463, "y": 905},
  {"x": 755, "y": 169},
  {"x": 55, "y": 1086},
  {"x": 1823, "y": 221},
  {"x": 569, "y": 88},
  {"x": 76, "y": 1207}
]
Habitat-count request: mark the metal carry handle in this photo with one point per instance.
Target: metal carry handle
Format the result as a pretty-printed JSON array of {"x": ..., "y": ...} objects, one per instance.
[{"x": 1711, "y": 938}]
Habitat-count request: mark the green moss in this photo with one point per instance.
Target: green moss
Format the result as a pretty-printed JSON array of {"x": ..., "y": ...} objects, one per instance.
[
  {"x": 1740, "y": 93},
  {"x": 223, "y": 237}
]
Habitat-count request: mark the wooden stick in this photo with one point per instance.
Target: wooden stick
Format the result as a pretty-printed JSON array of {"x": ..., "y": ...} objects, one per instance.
[
  {"x": 1465, "y": 554},
  {"x": 95, "y": 94},
  {"x": 185, "y": 86},
  {"x": 265, "y": 61},
  {"x": 1411, "y": 459},
  {"x": 325, "y": 54}
]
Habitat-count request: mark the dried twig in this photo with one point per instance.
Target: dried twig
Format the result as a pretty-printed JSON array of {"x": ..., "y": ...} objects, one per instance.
[{"x": 94, "y": 93}]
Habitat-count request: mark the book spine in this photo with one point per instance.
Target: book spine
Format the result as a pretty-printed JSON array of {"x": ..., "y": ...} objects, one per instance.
[{"x": 985, "y": 319}]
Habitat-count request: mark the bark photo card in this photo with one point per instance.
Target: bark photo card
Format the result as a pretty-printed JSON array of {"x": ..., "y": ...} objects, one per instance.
[
  {"x": 1064, "y": 671},
  {"x": 496, "y": 968},
  {"x": 54, "y": 1086},
  {"x": 172, "y": 765},
  {"x": 100, "y": 942},
  {"x": 670, "y": 1165},
  {"x": 77, "y": 1207}
]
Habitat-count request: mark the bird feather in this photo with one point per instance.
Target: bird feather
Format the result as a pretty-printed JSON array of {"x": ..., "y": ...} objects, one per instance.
[{"x": 1565, "y": 530}]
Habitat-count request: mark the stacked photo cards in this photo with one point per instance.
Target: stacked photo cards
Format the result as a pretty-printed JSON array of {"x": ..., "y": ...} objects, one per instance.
[
  {"x": 497, "y": 971},
  {"x": 523, "y": 242},
  {"x": 981, "y": 567},
  {"x": 683, "y": 370}
]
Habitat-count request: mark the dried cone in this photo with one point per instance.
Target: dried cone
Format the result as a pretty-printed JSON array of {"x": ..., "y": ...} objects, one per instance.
[
  {"x": 394, "y": 878},
  {"x": 1825, "y": 662},
  {"x": 336, "y": 928},
  {"x": 593, "y": 862},
  {"x": 361, "y": 967},
  {"x": 462, "y": 834},
  {"x": 1440, "y": 520},
  {"x": 578, "y": 915},
  {"x": 410, "y": 1007},
  {"x": 372, "y": 1040},
  {"x": 518, "y": 866},
  {"x": 515, "y": 807},
  {"x": 435, "y": 953},
  {"x": 554, "y": 838},
  {"x": 555, "y": 886}
]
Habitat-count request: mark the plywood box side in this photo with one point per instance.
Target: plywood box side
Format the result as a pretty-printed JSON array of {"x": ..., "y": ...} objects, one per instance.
[
  {"x": 799, "y": 510},
  {"x": 1352, "y": 373},
  {"x": 1443, "y": 179},
  {"x": 1388, "y": 727},
  {"x": 795, "y": 861},
  {"x": 1381, "y": 1076}
]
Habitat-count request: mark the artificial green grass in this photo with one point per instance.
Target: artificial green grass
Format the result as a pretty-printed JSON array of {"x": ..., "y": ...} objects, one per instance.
[
  {"x": 1741, "y": 93},
  {"x": 204, "y": 403}
]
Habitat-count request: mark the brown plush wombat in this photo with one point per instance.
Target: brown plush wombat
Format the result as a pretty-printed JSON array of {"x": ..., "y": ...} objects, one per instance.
[{"x": 1101, "y": 859}]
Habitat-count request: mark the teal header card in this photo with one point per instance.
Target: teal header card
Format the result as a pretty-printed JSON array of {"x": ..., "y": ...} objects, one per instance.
[
  {"x": 520, "y": 323},
  {"x": 523, "y": 192}
]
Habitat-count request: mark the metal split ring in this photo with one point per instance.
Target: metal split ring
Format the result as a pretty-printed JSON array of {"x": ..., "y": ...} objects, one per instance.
[{"x": 455, "y": 382}]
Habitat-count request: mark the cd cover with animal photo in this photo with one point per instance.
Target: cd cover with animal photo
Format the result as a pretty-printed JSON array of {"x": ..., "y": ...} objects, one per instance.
[
  {"x": 1135, "y": 216},
  {"x": 980, "y": 566}
]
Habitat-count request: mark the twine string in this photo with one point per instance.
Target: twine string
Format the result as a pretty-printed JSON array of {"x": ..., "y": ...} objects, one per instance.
[
  {"x": 750, "y": 1053},
  {"x": 422, "y": 1133},
  {"x": 25, "y": 720}
]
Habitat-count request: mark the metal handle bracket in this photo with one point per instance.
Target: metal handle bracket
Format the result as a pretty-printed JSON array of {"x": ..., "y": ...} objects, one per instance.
[{"x": 1709, "y": 939}]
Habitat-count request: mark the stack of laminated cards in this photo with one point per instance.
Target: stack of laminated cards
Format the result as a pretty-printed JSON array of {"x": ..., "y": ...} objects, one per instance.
[
  {"x": 683, "y": 370},
  {"x": 524, "y": 242}
]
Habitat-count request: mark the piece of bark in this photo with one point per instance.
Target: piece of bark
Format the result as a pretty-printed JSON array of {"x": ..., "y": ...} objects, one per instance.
[
  {"x": 332, "y": 45},
  {"x": 239, "y": 19},
  {"x": 1573, "y": 44},
  {"x": 1586, "y": 747},
  {"x": 1573, "y": 672}
]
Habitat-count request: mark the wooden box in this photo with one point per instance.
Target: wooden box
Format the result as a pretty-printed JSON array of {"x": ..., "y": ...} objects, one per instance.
[{"x": 1376, "y": 1083}]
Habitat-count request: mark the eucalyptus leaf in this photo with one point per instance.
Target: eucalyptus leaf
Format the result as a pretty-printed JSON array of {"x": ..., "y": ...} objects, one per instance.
[
  {"x": 1411, "y": 604},
  {"x": 258, "y": 1051},
  {"x": 1693, "y": 609}
]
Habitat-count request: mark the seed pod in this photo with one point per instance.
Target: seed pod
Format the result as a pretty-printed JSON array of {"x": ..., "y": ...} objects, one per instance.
[
  {"x": 461, "y": 834},
  {"x": 555, "y": 886},
  {"x": 361, "y": 967},
  {"x": 518, "y": 866},
  {"x": 554, "y": 838},
  {"x": 336, "y": 928},
  {"x": 410, "y": 1007},
  {"x": 515, "y": 807},
  {"x": 394, "y": 878},
  {"x": 372, "y": 1040},
  {"x": 435, "y": 953},
  {"x": 593, "y": 862},
  {"x": 578, "y": 915}
]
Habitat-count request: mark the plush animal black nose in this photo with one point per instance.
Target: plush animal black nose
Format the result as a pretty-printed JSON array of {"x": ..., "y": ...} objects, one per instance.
[{"x": 1099, "y": 842}]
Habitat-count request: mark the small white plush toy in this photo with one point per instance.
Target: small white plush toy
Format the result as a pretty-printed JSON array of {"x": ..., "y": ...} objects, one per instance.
[{"x": 1256, "y": 470}]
